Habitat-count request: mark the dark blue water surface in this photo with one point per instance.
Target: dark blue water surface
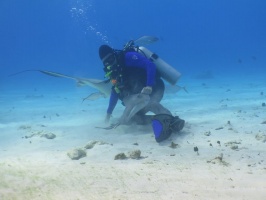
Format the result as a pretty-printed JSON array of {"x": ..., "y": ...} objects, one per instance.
[{"x": 225, "y": 37}]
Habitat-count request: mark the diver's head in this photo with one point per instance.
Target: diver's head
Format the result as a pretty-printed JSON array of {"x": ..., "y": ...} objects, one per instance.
[
  {"x": 107, "y": 55},
  {"x": 109, "y": 59}
]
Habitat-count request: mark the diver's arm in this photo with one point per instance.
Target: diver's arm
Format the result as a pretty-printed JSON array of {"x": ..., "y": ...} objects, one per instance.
[
  {"x": 112, "y": 103},
  {"x": 133, "y": 59}
]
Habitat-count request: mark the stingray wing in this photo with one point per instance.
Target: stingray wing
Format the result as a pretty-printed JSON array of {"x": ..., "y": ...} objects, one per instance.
[
  {"x": 101, "y": 85},
  {"x": 133, "y": 104},
  {"x": 55, "y": 74}
]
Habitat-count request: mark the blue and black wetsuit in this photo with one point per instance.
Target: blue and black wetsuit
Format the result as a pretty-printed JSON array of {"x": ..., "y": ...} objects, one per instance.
[{"x": 138, "y": 72}]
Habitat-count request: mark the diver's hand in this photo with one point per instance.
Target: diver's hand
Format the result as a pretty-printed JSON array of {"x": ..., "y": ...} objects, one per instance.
[
  {"x": 107, "y": 118},
  {"x": 146, "y": 90}
]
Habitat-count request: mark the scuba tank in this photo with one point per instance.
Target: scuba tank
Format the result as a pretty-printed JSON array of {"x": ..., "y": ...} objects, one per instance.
[{"x": 167, "y": 72}]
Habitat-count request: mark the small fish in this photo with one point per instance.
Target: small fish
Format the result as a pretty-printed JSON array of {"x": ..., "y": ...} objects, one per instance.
[{"x": 94, "y": 96}]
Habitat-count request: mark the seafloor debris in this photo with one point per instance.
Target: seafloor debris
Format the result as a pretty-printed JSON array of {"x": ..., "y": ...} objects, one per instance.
[
  {"x": 196, "y": 149},
  {"x": 25, "y": 127},
  {"x": 121, "y": 156},
  {"x": 41, "y": 134},
  {"x": 261, "y": 137},
  {"x": 48, "y": 135},
  {"x": 76, "y": 154},
  {"x": 218, "y": 160},
  {"x": 135, "y": 154},
  {"x": 232, "y": 144},
  {"x": 30, "y": 136},
  {"x": 207, "y": 133},
  {"x": 173, "y": 145},
  {"x": 92, "y": 143}
]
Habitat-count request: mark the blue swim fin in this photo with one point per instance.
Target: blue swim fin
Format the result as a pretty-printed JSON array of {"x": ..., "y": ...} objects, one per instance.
[{"x": 163, "y": 125}]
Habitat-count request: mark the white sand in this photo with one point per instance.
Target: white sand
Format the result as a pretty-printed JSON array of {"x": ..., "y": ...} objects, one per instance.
[{"x": 39, "y": 168}]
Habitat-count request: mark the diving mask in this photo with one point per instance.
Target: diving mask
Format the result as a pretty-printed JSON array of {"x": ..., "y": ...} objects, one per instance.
[{"x": 109, "y": 60}]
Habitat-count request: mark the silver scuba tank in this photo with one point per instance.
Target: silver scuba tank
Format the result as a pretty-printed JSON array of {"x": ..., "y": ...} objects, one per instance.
[{"x": 167, "y": 72}]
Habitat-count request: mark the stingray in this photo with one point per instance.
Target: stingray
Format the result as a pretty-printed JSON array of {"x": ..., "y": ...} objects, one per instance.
[
  {"x": 133, "y": 103},
  {"x": 102, "y": 85}
]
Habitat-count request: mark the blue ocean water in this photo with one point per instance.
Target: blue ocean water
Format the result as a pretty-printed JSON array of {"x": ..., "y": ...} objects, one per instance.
[
  {"x": 226, "y": 37},
  {"x": 217, "y": 45}
]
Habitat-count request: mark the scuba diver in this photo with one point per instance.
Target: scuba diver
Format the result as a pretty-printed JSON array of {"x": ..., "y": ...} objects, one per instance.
[{"x": 137, "y": 82}]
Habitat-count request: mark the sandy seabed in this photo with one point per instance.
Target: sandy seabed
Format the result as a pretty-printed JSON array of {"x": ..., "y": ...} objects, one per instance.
[{"x": 224, "y": 120}]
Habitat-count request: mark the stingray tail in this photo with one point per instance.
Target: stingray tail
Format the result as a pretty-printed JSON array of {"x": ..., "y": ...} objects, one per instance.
[
  {"x": 185, "y": 89},
  {"x": 28, "y": 70}
]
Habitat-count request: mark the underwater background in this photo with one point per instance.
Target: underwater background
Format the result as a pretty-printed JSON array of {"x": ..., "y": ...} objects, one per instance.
[
  {"x": 225, "y": 38},
  {"x": 217, "y": 45}
]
